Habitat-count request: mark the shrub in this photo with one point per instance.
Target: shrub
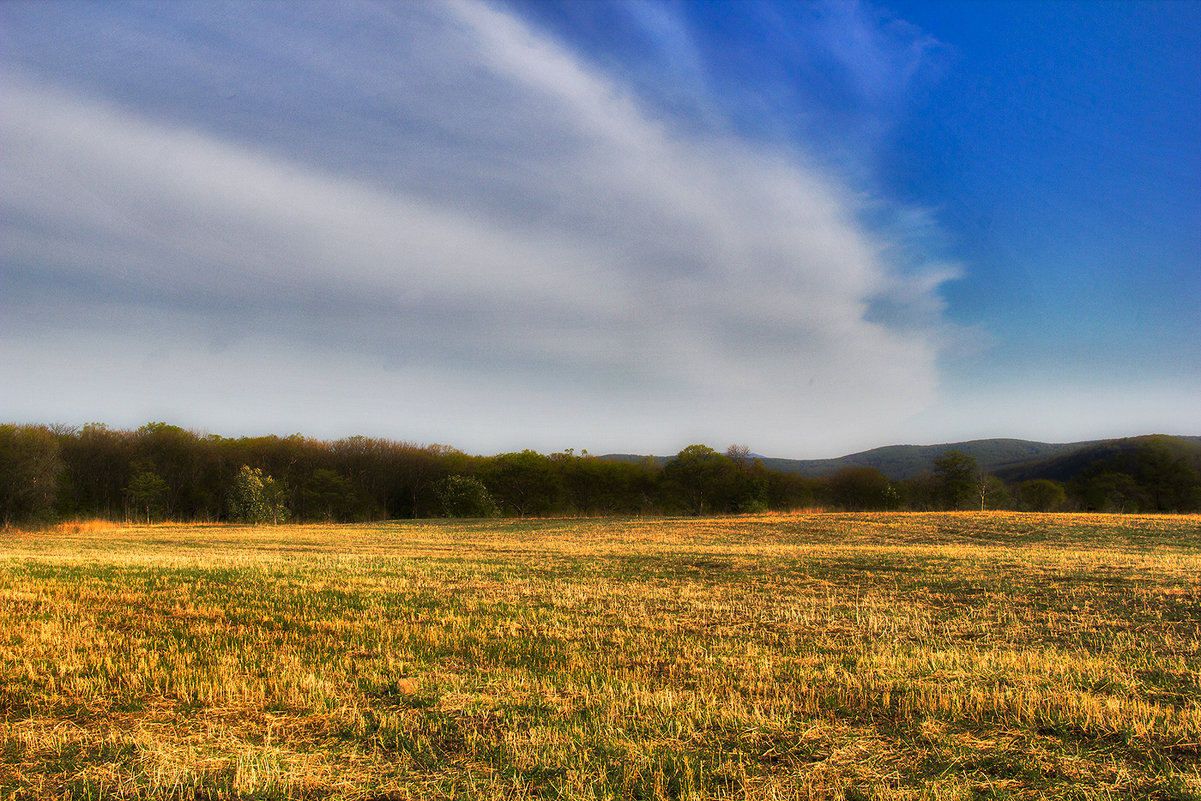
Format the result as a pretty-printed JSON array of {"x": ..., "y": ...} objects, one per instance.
[{"x": 465, "y": 496}]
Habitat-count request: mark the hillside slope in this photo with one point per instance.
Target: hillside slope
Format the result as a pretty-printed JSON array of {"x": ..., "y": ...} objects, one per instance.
[
  {"x": 1117, "y": 453},
  {"x": 1010, "y": 459},
  {"x": 906, "y": 461}
]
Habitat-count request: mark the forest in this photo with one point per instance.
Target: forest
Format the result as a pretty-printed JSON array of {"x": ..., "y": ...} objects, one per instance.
[{"x": 164, "y": 472}]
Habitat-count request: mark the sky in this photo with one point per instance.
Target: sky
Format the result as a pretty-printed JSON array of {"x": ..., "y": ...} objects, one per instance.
[{"x": 628, "y": 226}]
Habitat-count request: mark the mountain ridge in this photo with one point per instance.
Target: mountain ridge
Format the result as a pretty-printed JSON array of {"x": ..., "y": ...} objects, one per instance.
[{"x": 1009, "y": 458}]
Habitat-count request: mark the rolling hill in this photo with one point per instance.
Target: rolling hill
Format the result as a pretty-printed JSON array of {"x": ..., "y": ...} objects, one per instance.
[
  {"x": 1114, "y": 452},
  {"x": 1010, "y": 459}
]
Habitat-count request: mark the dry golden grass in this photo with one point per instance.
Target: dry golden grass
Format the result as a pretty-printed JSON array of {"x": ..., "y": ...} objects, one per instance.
[
  {"x": 94, "y": 526},
  {"x": 891, "y": 656}
]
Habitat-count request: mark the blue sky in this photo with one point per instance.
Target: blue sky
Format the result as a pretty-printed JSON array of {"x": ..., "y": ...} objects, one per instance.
[{"x": 812, "y": 228}]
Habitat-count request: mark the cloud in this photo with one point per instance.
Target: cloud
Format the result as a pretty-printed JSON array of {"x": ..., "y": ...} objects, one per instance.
[{"x": 544, "y": 262}]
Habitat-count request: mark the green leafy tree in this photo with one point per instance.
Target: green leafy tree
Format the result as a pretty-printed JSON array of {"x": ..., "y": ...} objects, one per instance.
[
  {"x": 255, "y": 498},
  {"x": 147, "y": 492},
  {"x": 1042, "y": 495},
  {"x": 700, "y": 480},
  {"x": 582, "y": 478},
  {"x": 415, "y": 471},
  {"x": 1158, "y": 474},
  {"x": 526, "y": 482},
  {"x": 956, "y": 477},
  {"x": 753, "y": 499},
  {"x": 1110, "y": 492},
  {"x": 786, "y": 491},
  {"x": 465, "y": 496},
  {"x": 595, "y": 486},
  {"x": 751, "y": 481},
  {"x": 921, "y": 492},
  {"x": 1167, "y": 479},
  {"x": 862, "y": 488},
  {"x": 171, "y": 453}
]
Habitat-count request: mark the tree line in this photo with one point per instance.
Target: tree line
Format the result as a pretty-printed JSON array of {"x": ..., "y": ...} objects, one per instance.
[{"x": 164, "y": 472}]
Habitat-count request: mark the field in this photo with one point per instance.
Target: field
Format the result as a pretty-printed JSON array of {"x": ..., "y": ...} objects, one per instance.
[{"x": 891, "y": 656}]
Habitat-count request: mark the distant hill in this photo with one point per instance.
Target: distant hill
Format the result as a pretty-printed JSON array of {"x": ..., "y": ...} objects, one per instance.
[
  {"x": 1066, "y": 466},
  {"x": 906, "y": 461},
  {"x": 1010, "y": 459}
]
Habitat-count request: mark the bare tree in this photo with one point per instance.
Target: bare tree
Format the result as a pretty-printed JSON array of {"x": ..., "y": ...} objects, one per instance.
[{"x": 740, "y": 455}]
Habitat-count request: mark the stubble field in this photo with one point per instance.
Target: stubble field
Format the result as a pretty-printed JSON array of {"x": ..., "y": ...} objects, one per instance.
[{"x": 939, "y": 656}]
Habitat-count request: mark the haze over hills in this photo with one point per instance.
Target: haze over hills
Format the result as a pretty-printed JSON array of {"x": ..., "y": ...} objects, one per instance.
[{"x": 1010, "y": 459}]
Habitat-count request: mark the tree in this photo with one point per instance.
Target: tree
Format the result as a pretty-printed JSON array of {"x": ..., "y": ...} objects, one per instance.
[
  {"x": 524, "y": 482},
  {"x": 255, "y": 498},
  {"x": 30, "y": 468},
  {"x": 992, "y": 492},
  {"x": 170, "y": 453},
  {"x": 740, "y": 455},
  {"x": 752, "y": 492},
  {"x": 789, "y": 490},
  {"x": 98, "y": 461},
  {"x": 701, "y": 480},
  {"x": 861, "y": 488},
  {"x": 921, "y": 492},
  {"x": 414, "y": 472},
  {"x": 1152, "y": 474},
  {"x": 329, "y": 496},
  {"x": 1170, "y": 483},
  {"x": 147, "y": 492},
  {"x": 1109, "y": 492},
  {"x": 465, "y": 496},
  {"x": 1042, "y": 495},
  {"x": 956, "y": 476},
  {"x": 364, "y": 461},
  {"x": 602, "y": 486}
]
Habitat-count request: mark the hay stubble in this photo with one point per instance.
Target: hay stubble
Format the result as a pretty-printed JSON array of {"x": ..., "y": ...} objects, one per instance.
[{"x": 885, "y": 656}]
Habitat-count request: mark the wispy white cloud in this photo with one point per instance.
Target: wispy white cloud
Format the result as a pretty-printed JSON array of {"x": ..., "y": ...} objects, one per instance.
[
  {"x": 881, "y": 55},
  {"x": 546, "y": 262}
]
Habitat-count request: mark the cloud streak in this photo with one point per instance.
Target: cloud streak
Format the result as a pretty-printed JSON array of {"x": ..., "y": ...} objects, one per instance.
[{"x": 533, "y": 258}]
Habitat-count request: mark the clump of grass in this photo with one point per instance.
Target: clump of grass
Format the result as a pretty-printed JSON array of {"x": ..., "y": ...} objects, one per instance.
[
  {"x": 892, "y": 656},
  {"x": 85, "y": 526}
]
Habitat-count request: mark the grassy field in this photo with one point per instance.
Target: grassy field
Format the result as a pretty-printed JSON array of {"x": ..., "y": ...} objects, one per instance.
[{"x": 935, "y": 656}]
